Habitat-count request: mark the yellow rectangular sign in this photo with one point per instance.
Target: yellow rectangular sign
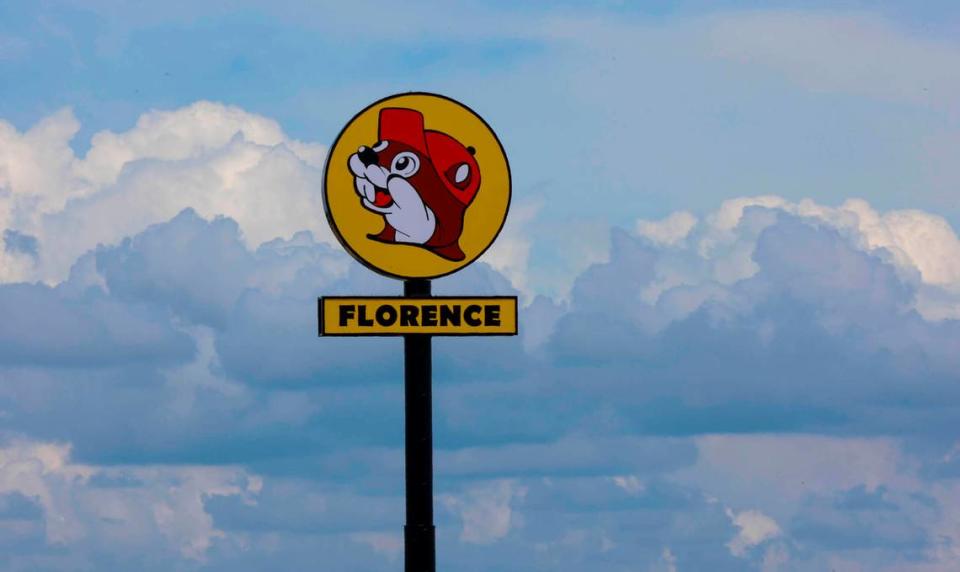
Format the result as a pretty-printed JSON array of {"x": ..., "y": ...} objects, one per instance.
[{"x": 437, "y": 315}]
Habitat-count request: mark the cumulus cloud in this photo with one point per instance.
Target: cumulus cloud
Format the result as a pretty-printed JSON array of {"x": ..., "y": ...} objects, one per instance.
[
  {"x": 755, "y": 528},
  {"x": 750, "y": 350},
  {"x": 670, "y": 230},
  {"x": 755, "y": 262},
  {"x": 629, "y": 483},
  {"x": 134, "y": 513},
  {"x": 723, "y": 384},
  {"x": 486, "y": 510},
  {"x": 916, "y": 242},
  {"x": 214, "y": 158},
  {"x": 284, "y": 414},
  {"x": 510, "y": 253},
  {"x": 921, "y": 246}
]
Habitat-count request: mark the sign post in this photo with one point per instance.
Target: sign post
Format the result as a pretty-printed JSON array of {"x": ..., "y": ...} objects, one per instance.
[
  {"x": 418, "y": 534},
  {"x": 403, "y": 195}
]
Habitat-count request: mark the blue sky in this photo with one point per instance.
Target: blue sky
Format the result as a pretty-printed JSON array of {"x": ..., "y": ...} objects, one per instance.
[{"x": 733, "y": 235}]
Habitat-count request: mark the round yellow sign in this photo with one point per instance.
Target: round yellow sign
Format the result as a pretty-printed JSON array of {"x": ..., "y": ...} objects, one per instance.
[{"x": 416, "y": 185}]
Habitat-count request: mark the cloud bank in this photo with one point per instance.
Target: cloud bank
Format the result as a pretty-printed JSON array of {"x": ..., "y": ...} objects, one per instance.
[{"x": 771, "y": 385}]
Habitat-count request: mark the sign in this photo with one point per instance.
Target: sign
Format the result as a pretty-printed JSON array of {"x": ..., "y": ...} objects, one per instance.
[
  {"x": 439, "y": 316},
  {"x": 416, "y": 186}
]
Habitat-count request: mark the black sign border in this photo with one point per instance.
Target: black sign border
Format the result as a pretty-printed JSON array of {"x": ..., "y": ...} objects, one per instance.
[
  {"x": 333, "y": 225},
  {"x": 320, "y": 299}
]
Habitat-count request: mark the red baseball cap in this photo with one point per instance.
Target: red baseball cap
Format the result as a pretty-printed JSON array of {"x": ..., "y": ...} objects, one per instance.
[{"x": 453, "y": 162}]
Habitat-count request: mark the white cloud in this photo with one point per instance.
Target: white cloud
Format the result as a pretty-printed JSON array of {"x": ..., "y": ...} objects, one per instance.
[
  {"x": 669, "y": 230},
  {"x": 28, "y": 469},
  {"x": 35, "y": 165},
  {"x": 184, "y": 133},
  {"x": 695, "y": 260},
  {"x": 629, "y": 483},
  {"x": 755, "y": 528},
  {"x": 782, "y": 473},
  {"x": 922, "y": 240},
  {"x": 119, "y": 508},
  {"x": 486, "y": 510},
  {"x": 786, "y": 474},
  {"x": 217, "y": 159},
  {"x": 510, "y": 253},
  {"x": 719, "y": 250},
  {"x": 676, "y": 268}
]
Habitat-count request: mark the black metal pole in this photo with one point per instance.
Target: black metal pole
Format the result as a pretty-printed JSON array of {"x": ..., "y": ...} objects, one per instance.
[{"x": 419, "y": 533}]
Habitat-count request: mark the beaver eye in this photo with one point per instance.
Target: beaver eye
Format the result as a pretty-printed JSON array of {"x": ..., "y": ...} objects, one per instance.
[{"x": 405, "y": 164}]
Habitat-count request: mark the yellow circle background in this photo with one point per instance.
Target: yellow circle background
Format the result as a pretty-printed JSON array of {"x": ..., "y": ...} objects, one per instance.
[{"x": 483, "y": 218}]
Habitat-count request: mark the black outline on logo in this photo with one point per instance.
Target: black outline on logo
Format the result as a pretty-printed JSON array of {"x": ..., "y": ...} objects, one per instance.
[{"x": 333, "y": 225}]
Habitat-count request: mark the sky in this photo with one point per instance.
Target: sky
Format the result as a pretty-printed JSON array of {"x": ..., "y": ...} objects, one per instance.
[{"x": 733, "y": 235}]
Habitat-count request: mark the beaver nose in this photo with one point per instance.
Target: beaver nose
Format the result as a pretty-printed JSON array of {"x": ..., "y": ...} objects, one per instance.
[{"x": 367, "y": 156}]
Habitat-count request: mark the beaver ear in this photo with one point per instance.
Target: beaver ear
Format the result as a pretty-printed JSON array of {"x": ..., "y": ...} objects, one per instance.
[{"x": 459, "y": 175}]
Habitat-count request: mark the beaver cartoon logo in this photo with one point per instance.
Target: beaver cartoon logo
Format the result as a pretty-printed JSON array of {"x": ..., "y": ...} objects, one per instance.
[
  {"x": 416, "y": 186},
  {"x": 420, "y": 180}
]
